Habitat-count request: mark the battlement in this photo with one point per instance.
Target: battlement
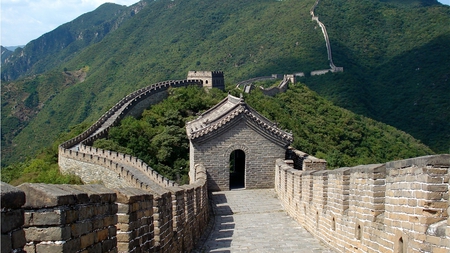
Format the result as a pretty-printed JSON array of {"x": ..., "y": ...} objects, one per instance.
[
  {"x": 93, "y": 218},
  {"x": 400, "y": 206}
]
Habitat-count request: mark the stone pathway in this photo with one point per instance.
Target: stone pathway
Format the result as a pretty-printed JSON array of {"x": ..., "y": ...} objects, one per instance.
[{"x": 254, "y": 221}]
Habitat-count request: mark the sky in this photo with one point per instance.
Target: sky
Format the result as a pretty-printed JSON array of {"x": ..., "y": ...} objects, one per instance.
[{"x": 25, "y": 20}]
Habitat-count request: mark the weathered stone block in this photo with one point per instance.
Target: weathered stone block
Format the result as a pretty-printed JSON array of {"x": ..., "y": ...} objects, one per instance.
[
  {"x": 37, "y": 234},
  {"x": 102, "y": 235},
  {"x": 45, "y": 217},
  {"x": 31, "y": 248},
  {"x": 44, "y": 195},
  {"x": 110, "y": 220},
  {"x": 11, "y": 220},
  {"x": 18, "y": 239},
  {"x": 6, "y": 243},
  {"x": 81, "y": 228},
  {"x": 108, "y": 245},
  {"x": 124, "y": 236},
  {"x": 87, "y": 240},
  {"x": 86, "y": 212},
  {"x": 71, "y": 216},
  {"x": 112, "y": 231},
  {"x": 99, "y": 193},
  {"x": 97, "y": 224},
  {"x": 11, "y": 197},
  {"x": 58, "y": 247}
]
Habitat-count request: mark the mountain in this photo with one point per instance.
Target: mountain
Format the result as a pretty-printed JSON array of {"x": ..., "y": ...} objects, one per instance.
[
  {"x": 56, "y": 47},
  {"x": 377, "y": 42},
  {"x": 396, "y": 65},
  {"x": 5, "y": 52}
]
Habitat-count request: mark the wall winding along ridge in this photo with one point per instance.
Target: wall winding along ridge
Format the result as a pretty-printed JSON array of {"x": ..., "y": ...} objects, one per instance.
[
  {"x": 165, "y": 217},
  {"x": 400, "y": 206},
  {"x": 328, "y": 44},
  {"x": 76, "y": 154}
]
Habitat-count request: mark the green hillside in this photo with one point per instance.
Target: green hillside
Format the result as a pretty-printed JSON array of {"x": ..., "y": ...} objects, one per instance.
[
  {"x": 396, "y": 65},
  {"x": 58, "y": 46},
  {"x": 245, "y": 39},
  {"x": 159, "y": 137},
  {"x": 319, "y": 128}
]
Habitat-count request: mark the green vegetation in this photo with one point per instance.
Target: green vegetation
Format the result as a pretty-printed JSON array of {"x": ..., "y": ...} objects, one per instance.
[
  {"x": 395, "y": 58},
  {"x": 63, "y": 43},
  {"x": 332, "y": 133},
  {"x": 319, "y": 127},
  {"x": 44, "y": 167},
  {"x": 159, "y": 136},
  {"x": 396, "y": 64},
  {"x": 24, "y": 99}
]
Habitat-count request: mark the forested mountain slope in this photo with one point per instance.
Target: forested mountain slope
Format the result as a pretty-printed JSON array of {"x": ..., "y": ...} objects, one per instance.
[
  {"x": 65, "y": 42},
  {"x": 5, "y": 52},
  {"x": 397, "y": 69},
  {"x": 245, "y": 39}
]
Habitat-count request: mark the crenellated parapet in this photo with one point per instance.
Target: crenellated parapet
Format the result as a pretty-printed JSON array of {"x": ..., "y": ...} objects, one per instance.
[
  {"x": 399, "y": 206},
  {"x": 154, "y": 214},
  {"x": 76, "y": 156},
  {"x": 93, "y": 218}
]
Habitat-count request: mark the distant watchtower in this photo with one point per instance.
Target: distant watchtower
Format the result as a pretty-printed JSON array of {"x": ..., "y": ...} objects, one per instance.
[{"x": 211, "y": 79}]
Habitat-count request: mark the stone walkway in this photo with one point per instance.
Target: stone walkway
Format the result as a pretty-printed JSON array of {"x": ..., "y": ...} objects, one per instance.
[{"x": 254, "y": 221}]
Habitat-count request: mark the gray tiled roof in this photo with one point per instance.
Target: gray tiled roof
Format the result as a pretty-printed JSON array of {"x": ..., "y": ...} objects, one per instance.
[{"x": 227, "y": 111}]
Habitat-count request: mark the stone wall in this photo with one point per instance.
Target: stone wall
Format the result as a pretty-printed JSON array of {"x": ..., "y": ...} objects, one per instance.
[
  {"x": 111, "y": 168},
  {"x": 260, "y": 156},
  {"x": 13, "y": 235},
  {"x": 93, "y": 218},
  {"x": 210, "y": 79},
  {"x": 399, "y": 206}
]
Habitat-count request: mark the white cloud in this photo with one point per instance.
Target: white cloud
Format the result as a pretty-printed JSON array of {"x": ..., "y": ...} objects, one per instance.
[{"x": 26, "y": 20}]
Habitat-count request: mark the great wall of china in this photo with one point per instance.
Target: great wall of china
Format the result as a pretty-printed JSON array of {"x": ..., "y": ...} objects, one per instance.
[
  {"x": 328, "y": 44},
  {"x": 247, "y": 85},
  {"x": 398, "y": 207}
]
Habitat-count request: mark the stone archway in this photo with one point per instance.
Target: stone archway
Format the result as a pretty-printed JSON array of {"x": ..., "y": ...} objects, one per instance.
[{"x": 237, "y": 169}]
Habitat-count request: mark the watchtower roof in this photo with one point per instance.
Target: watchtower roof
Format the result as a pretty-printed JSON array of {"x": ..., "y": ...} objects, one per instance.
[{"x": 229, "y": 112}]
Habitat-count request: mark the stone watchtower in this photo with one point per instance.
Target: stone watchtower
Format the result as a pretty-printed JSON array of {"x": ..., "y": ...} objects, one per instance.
[
  {"x": 237, "y": 146},
  {"x": 211, "y": 79}
]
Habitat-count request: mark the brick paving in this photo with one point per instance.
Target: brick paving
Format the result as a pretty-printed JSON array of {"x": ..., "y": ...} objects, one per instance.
[{"x": 254, "y": 221}]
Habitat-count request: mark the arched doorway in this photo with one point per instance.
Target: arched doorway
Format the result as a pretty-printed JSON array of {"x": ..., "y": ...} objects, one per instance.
[{"x": 237, "y": 169}]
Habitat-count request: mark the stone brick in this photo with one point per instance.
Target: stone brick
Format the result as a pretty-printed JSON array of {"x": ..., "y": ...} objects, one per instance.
[
  {"x": 6, "y": 243},
  {"x": 106, "y": 195},
  {"x": 11, "y": 220},
  {"x": 44, "y": 195},
  {"x": 102, "y": 235},
  {"x": 81, "y": 228},
  {"x": 18, "y": 239},
  {"x": 58, "y": 247},
  {"x": 87, "y": 240},
  {"x": 45, "y": 217},
  {"x": 47, "y": 234},
  {"x": 110, "y": 220},
  {"x": 30, "y": 248},
  {"x": 11, "y": 197},
  {"x": 108, "y": 245}
]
